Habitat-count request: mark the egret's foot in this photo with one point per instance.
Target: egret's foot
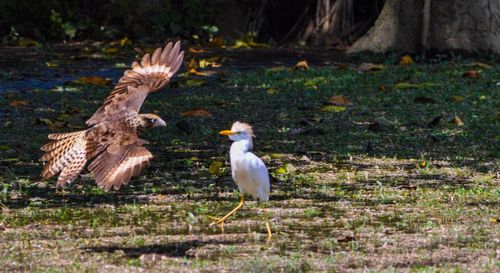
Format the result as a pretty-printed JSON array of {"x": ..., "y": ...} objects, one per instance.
[{"x": 218, "y": 221}]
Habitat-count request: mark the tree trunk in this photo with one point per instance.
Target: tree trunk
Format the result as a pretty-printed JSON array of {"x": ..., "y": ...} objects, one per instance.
[{"x": 413, "y": 26}]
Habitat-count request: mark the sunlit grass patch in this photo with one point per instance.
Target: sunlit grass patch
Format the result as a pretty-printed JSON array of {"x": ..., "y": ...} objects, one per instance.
[{"x": 388, "y": 181}]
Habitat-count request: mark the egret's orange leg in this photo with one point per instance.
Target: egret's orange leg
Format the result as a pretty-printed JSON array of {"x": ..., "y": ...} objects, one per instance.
[
  {"x": 220, "y": 221},
  {"x": 268, "y": 226},
  {"x": 269, "y": 233}
]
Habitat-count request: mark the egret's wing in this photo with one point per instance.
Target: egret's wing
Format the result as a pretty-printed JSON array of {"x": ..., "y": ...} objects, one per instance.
[{"x": 260, "y": 175}]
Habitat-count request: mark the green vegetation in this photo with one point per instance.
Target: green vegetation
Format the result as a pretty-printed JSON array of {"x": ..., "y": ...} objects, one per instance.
[
  {"x": 63, "y": 20},
  {"x": 387, "y": 180}
]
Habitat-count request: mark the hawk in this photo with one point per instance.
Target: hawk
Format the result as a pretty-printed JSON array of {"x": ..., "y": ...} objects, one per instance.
[{"x": 112, "y": 141}]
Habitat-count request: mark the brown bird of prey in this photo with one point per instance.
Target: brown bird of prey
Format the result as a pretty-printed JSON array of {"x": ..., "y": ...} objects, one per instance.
[{"x": 111, "y": 140}]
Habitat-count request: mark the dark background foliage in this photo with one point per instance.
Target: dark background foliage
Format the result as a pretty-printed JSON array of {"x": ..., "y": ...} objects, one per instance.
[{"x": 102, "y": 19}]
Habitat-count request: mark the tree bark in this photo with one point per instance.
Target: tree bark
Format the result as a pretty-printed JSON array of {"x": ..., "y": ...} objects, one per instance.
[{"x": 413, "y": 26}]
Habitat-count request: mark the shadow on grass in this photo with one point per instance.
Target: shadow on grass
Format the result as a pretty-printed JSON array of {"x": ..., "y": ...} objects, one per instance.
[{"x": 174, "y": 249}]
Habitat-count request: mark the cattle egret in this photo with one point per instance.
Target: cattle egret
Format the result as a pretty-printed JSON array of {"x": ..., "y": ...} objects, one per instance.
[{"x": 248, "y": 171}]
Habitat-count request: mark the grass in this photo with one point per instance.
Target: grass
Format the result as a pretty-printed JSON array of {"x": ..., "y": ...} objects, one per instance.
[{"x": 391, "y": 184}]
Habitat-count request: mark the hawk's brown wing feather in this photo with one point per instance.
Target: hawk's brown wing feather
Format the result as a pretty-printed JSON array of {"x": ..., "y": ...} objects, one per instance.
[
  {"x": 150, "y": 75},
  {"x": 113, "y": 169}
]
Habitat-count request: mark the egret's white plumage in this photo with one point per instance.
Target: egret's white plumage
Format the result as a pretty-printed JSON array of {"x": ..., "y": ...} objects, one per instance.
[{"x": 249, "y": 171}]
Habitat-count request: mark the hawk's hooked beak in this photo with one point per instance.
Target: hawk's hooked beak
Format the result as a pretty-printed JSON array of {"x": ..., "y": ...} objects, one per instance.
[
  {"x": 160, "y": 122},
  {"x": 227, "y": 132}
]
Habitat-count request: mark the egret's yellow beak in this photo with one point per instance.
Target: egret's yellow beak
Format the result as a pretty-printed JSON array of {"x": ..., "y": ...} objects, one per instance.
[{"x": 227, "y": 132}]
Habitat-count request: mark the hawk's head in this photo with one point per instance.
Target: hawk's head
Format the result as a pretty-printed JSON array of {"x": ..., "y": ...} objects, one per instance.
[{"x": 151, "y": 120}]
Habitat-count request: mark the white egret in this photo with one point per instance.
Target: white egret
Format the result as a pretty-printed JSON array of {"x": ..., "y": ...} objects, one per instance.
[{"x": 248, "y": 170}]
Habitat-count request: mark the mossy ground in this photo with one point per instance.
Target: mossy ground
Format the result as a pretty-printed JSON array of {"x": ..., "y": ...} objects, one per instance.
[{"x": 393, "y": 183}]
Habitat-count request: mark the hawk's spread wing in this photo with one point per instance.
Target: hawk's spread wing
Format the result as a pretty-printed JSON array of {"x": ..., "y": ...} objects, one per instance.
[
  {"x": 153, "y": 73},
  {"x": 115, "y": 167}
]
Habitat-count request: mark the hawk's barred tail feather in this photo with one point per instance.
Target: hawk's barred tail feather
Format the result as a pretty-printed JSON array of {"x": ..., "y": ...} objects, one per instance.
[{"x": 68, "y": 154}]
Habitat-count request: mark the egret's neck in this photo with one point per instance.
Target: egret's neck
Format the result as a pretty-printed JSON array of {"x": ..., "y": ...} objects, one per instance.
[{"x": 240, "y": 147}]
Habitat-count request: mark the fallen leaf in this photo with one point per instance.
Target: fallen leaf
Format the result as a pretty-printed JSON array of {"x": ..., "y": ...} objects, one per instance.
[
  {"x": 194, "y": 82},
  {"x": 311, "y": 121},
  {"x": 406, "y": 60},
  {"x": 422, "y": 164},
  {"x": 407, "y": 85},
  {"x": 111, "y": 50},
  {"x": 198, "y": 112},
  {"x": 278, "y": 69},
  {"x": 125, "y": 42},
  {"x": 494, "y": 220},
  {"x": 217, "y": 41},
  {"x": 64, "y": 117},
  {"x": 280, "y": 170},
  {"x": 272, "y": 91},
  {"x": 383, "y": 88},
  {"x": 195, "y": 50},
  {"x": 18, "y": 103},
  {"x": 457, "y": 121},
  {"x": 286, "y": 169},
  {"x": 10, "y": 159},
  {"x": 254, "y": 44},
  {"x": 208, "y": 63},
  {"x": 192, "y": 64},
  {"x": 302, "y": 65},
  {"x": 478, "y": 64},
  {"x": 247, "y": 41},
  {"x": 195, "y": 72},
  {"x": 27, "y": 42},
  {"x": 471, "y": 74},
  {"x": 366, "y": 67},
  {"x": 215, "y": 168},
  {"x": 53, "y": 125},
  {"x": 4, "y": 147},
  {"x": 95, "y": 80},
  {"x": 333, "y": 108},
  {"x": 340, "y": 100},
  {"x": 45, "y": 121},
  {"x": 51, "y": 64},
  {"x": 457, "y": 98},
  {"x": 423, "y": 99},
  {"x": 277, "y": 155}
]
